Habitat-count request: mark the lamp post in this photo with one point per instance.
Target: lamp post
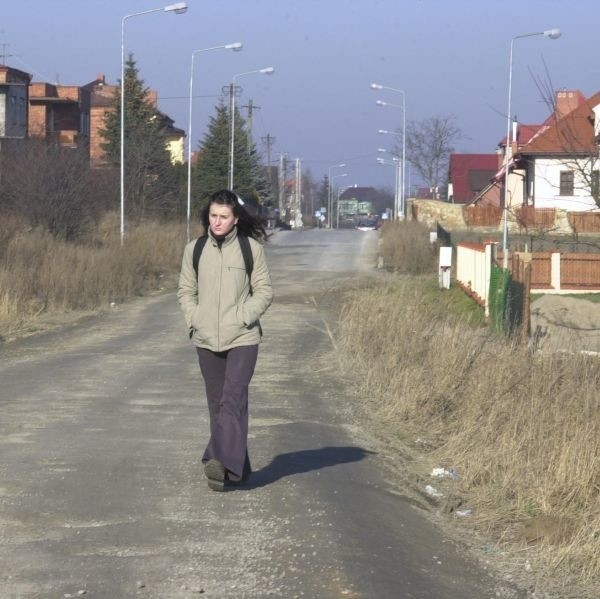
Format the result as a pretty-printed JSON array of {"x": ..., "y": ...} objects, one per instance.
[
  {"x": 329, "y": 196},
  {"x": 396, "y": 162},
  {"x": 178, "y": 8},
  {"x": 331, "y": 206},
  {"x": 377, "y": 86},
  {"x": 265, "y": 71},
  {"x": 403, "y": 107},
  {"x": 552, "y": 34},
  {"x": 236, "y": 47}
]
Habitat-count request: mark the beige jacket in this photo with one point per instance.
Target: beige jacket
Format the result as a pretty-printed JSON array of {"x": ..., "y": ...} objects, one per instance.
[{"x": 218, "y": 308}]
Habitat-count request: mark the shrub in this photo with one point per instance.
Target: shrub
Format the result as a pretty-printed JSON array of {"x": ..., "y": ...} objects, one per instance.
[
  {"x": 40, "y": 273},
  {"x": 523, "y": 431},
  {"x": 405, "y": 247}
]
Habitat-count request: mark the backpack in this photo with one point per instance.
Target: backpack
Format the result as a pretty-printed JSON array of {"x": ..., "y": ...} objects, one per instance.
[{"x": 246, "y": 253}]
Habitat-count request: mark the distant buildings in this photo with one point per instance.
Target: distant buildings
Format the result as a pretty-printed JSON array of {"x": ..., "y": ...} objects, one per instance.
[
  {"x": 69, "y": 115},
  {"x": 14, "y": 103},
  {"x": 60, "y": 113},
  {"x": 358, "y": 202}
]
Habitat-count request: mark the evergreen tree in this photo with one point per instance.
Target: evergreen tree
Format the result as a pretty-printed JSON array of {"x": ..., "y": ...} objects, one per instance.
[
  {"x": 323, "y": 193},
  {"x": 150, "y": 182},
  {"x": 211, "y": 171}
]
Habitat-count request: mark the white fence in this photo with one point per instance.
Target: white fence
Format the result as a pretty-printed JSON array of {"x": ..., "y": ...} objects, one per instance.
[{"x": 473, "y": 268}]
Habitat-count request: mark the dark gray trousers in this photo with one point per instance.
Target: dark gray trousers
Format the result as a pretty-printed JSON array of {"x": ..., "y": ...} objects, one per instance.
[{"x": 226, "y": 377}]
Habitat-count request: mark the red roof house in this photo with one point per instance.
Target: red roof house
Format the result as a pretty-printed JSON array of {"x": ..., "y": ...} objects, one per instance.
[{"x": 469, "y": 175}]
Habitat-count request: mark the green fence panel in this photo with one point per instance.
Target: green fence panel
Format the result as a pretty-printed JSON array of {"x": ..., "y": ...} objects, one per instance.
[{"x": 498, "y": 298}]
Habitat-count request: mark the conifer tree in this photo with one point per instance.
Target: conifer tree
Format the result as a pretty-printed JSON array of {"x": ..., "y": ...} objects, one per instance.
[
  {"x": 150, "y": 184},
  {"x": 211, "y": 171}
]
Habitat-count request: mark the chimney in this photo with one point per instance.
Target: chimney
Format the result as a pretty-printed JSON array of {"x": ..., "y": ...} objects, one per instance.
[
  {"x": 152, "y": 97},
  {"x": 567, "y": 101}
]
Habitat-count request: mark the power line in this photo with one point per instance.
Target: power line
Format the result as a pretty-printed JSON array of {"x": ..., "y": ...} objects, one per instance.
[{"x": 187, "y": 97}]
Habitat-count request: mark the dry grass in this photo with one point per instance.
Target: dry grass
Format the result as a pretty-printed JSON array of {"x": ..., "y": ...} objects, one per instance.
[
  {"x": 522, "y": 431},
  {"x": 405, "y": 247},
  {"x": 40, "y": 274}
]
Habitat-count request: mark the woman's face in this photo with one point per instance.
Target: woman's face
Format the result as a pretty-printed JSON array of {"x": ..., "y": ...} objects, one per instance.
[{"x": 221, "y": 219}]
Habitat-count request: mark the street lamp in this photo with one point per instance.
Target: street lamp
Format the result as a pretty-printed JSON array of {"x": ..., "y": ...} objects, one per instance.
[
  {"x": 236, "y": 47},
  {"x": 377, "y": 86},
  {"x": 178, "y": 8},
  {"x": 265, "y": 71},
  {"x": 396, "y": 162},
  {"x": 329, "y": 195},
  {"x": 552, "y": 34}
]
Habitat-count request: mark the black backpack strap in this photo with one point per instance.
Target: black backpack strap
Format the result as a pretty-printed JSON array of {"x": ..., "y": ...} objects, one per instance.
[
  {"x": 248, "y": 257},
  {"x": 198, "y": 247},
  {"x": 249, "y": 264}
]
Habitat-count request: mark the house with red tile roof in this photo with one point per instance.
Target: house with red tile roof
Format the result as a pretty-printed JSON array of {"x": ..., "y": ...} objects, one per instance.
[
  {"x": 555, "y": 164},
  {"x": 469, "y": 175},
  {"x": 560, "y": 162}
]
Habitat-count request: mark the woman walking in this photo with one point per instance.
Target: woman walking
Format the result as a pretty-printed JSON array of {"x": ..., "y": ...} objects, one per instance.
[{"x": 224, "y": 289}]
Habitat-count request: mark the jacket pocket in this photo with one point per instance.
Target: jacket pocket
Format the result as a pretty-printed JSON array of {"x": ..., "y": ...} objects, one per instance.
[
  {"x": 240, "y": 316},
  {"x": 199, "y": 324}
]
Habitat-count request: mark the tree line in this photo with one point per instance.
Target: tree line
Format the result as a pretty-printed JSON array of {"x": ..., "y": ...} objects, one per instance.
[{"x": 54, "y": 187}]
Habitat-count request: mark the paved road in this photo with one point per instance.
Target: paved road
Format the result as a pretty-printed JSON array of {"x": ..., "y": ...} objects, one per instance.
[{"x": 101, "y": 491}]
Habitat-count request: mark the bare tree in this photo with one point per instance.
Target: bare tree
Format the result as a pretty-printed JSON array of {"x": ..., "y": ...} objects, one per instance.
[
  {"x": 50, "y": 186},
  {"x": 428, "y": 147}
]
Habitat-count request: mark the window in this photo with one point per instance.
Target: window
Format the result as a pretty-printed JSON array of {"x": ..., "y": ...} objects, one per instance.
[
  {"x": 567, "y": 180},
  {"x": 595, "y": 184}
]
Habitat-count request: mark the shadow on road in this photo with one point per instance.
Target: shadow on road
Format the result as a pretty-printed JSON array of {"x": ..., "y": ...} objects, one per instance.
[{"x": 297, "y": 462}]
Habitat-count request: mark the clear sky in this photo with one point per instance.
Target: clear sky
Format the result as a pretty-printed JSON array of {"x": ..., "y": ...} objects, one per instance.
[{"x": 450, "y": 57}]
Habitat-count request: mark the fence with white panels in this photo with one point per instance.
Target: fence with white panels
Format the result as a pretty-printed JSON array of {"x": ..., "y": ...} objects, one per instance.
[{"x": 473, "y": 268}]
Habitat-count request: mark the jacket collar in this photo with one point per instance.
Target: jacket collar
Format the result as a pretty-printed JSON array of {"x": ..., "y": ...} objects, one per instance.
[{"x": 229, "y": 238}]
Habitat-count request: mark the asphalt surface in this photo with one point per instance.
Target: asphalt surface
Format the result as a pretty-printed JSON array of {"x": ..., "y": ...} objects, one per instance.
[{"x": 101, "y": 489}]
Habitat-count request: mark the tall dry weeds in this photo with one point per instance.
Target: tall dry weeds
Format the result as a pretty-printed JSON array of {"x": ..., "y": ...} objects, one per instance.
[
  {"x": 40, "y": 273},
  {"x": 405, "y": 247},
  {"x": 522, "y": 431}
]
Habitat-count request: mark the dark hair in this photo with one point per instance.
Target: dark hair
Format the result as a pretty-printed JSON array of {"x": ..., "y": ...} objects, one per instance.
[{"x": 249, "y": 225}]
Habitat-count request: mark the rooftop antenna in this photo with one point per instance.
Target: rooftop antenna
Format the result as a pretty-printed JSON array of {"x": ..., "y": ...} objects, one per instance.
[{"x": 3, "y": 54}]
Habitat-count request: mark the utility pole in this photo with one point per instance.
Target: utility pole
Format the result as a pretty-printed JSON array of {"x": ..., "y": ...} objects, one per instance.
[
  {"x": 269, "y": 140},
  {"x": 282, "y": 169},
  {"x": 251, "y": 108},
  {"x": 298, "y": 196}
]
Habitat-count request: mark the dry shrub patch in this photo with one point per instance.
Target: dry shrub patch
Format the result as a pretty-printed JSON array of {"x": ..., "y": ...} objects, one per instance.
[
  {"x": 42, "y": 274},
  {"x": 521, "y": 430},
  {"x": 405, "y": 247}
]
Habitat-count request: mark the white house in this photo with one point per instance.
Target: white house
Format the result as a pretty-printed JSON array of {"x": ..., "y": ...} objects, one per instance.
[
  {"x": 555, "y": 164},
  {"x": 560, "y": 162}
]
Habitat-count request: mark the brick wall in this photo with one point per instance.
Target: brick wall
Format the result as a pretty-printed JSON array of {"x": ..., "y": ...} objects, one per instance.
[
  {"x": 97, "y": 115},
  {"x": 102, "y": 97},
  {"x": 38, "y": 120}
]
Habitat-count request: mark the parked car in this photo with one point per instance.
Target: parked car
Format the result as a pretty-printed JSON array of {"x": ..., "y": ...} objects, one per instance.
[{"x": 367, "y": 225}]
